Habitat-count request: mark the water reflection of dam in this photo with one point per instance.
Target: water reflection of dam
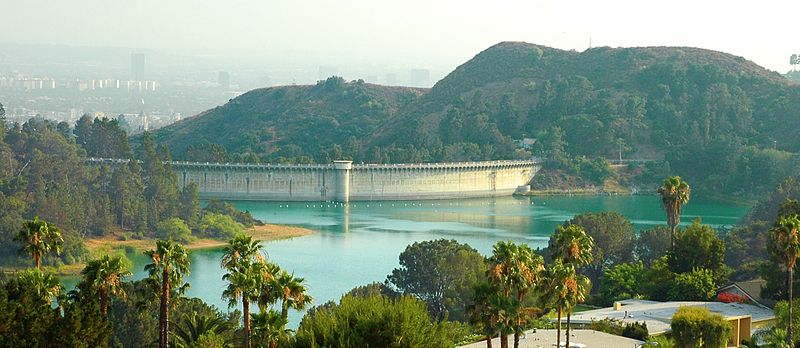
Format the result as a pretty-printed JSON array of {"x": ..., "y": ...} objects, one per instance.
[{"x": 343, "y": 181}]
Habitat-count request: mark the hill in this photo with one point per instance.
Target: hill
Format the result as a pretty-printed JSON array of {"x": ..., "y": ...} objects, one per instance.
[
  {"x": 288, "y": 124},
  {"x": 719, "y": 120}
]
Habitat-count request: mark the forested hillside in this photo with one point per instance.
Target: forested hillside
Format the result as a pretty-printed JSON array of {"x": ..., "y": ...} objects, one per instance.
[{"x": 718, "y": 120}]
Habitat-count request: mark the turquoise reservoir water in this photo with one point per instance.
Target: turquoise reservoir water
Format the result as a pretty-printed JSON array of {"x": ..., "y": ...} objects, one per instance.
[{"x": 360, "y": 244}]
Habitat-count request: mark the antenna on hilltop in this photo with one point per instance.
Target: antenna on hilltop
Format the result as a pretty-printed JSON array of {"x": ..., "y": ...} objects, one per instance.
[{"x": 590, "y": 42}]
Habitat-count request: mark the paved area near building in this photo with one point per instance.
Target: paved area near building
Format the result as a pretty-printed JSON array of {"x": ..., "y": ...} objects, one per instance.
[{"x": 547, "y": 339}]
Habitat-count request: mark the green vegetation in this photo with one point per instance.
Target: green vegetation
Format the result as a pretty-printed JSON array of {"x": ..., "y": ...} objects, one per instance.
[
  {"x": 441, "y": 273},
  {"x": 373, "y": 321},
  {"x": 46, "y": 181},
  {"x": 697, "y": 327},
  {"x": 717, "y": 120}
]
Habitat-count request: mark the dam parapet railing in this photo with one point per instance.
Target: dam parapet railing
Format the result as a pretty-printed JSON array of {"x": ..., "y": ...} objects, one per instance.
[{"x": 440, "y": 165}]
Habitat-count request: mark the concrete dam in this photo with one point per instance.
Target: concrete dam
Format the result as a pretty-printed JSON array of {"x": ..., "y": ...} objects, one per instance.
[{"x": 344, "y": 181}]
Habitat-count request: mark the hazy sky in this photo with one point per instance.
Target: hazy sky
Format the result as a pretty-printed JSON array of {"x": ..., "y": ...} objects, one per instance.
[{"x": 432, "y": 33}]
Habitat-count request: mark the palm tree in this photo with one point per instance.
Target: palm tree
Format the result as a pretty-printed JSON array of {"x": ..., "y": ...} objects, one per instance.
[
  {"x": 561, "y": 282},
  {"x": 574, "y": 247},
  {"x": 39, "y": 238},
  {"x": 247, "y": 271},
  {"x": 241, "y": 248},
  {"x": 170, "y": 263},
  {"x": 292, "y": 292},
  {"x": 577, "y": 287},
  {"x": 104, "y": 277},
  {"x": 269, "y": 327},
  {"x": 786, "y": 246},
  {"x": 190, "y": 330},
  {"x": 269, "y": 292},
  {"x": 34, "y": 288},
  {"x": 674, "y": 195},
  {"x": 515, "y": 270},
  {"x": 482, "y": 312},
  {"x": 243, "y": 283}
]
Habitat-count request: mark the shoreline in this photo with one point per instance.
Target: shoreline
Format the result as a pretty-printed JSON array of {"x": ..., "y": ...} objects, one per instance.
[{"x": 111, "y": 244}]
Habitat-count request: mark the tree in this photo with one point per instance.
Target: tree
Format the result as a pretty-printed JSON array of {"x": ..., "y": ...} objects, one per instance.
[
  {"x": 698, "y": 247},
  {"x": 613, "y": 238},
  {"x": 103, "y": 277},
  {"x": 697, "y": 285},
  {"x": 571, "y": 245},
  {"x": 565, "y": 288},
  {"x": 189, "y": 204},
  {"x": 245, "y": 273},
  {"x": 35, "y": 288},
  {"x": 421, "y": 274},
  {"x": 193, "y": 327},
  {"x": 621, "y": 281},
  {"x": 39, "y": 238},
  {"x": 793, "y": 60},
  {"x": 485, "y": 311},
  {"x": 514, "y": 270},
  {"x": 292, "y": 292},
  {"x": 658, "y": 280},
  {"x": 269, "y": 328},
  {"x": 785, "y": 244},
  {"x": 465, "y": 269},
  {"x": 674, "y": 195},
  {"x": 170, "y": 262},
  {"x": 652, "y": 244}
]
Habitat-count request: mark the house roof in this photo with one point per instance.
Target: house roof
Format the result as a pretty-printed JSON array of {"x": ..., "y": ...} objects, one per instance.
[
  {"x": 751, "y": 289},
  {"x": 658, "y": 315}
]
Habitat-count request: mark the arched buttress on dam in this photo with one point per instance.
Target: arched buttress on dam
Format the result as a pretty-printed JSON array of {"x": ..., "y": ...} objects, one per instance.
[{"x": 345, "y": 181}]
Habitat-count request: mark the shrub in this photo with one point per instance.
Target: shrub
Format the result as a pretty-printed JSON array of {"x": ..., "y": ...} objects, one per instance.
[
  {"x": 731, "y": 298},
  {"x": 174, "y": 229},
  {"x": 220, "y": 226},
  {"x": 637, "y": 331},
  {"x": 697, "y": 327},
  {"x": 375, "y": 321}
]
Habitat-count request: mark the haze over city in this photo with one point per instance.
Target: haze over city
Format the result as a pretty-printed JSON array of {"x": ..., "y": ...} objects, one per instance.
[{"x": 385, "y": 34}]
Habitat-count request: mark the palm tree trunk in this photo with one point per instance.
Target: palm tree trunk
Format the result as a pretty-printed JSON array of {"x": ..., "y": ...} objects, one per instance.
[
  {"x": 489, "y": 341},
  {"x": 672, "y": 237},
  {"x": 569, "y": 314},
  {"x": 37, "y": 259},
  {"x": 789, "y": 326},
  {"x": 246, "y": 314},
  {"x": 104, "y": 303},
  {"x": 164, "y": 310},
  {"x": 516, "y": 339},
  {"x": 284, "y": 309},
  {"x": 558, "y": 329},
  {"x": 503, "y": 339}
]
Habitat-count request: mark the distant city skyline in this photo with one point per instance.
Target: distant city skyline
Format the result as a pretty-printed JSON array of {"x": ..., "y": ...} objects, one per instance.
[{"x": 413, "y": 34}]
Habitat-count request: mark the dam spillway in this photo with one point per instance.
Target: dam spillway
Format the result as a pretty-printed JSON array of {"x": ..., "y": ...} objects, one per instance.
[{"x": 345, "y": 181}]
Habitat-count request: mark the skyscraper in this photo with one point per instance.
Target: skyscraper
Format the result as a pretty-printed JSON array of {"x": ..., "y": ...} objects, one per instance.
[{"x": 137, "y": 66}]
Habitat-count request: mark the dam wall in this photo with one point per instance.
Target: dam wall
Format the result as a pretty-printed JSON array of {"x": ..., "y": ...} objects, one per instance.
[{"x": 345, "y": 181}]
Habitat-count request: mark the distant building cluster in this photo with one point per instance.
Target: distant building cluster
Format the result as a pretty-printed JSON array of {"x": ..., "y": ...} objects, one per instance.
[{"x": 25, "y": 83}]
